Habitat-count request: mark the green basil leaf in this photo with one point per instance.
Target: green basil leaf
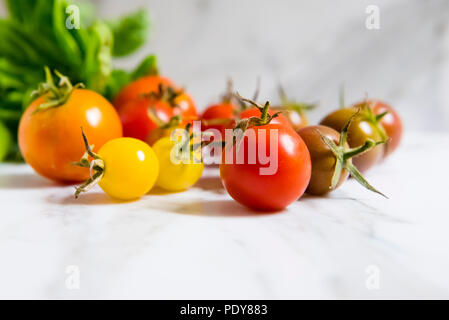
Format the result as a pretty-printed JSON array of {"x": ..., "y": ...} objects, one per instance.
[
  {"x": 130, "y": 33},
  {"x": 147, "y": 67}
]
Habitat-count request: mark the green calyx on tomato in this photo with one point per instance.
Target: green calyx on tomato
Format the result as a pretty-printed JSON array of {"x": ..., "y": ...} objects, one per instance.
[
  {"x": 257, "y": 184},
  {"x": 57, "y": 95},
  {"x": 166, "y": 94},
  {"x": 132, "y": 168},
  {"x": 264, "y": 119},
  {"x": 97, "y": 165},
  {"x": 363, "y": 127},
  {"x": 243, "y": 124},
  {"x": 367, "y": 114},
  {"x": 343, "y": 157},
  {"x": 295, "y": 111}
]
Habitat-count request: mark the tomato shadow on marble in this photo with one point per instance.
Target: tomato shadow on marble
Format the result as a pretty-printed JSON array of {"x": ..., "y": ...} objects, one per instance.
[{"x": 25, "y": 181}]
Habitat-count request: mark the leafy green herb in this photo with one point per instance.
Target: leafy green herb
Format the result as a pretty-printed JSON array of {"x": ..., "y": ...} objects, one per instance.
[{"x": 35, "y": 35}]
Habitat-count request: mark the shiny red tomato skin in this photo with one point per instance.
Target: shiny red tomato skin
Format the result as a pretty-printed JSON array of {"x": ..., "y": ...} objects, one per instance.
[
  {"x": 136, "y": 120},
  {"x": 135, "y": 89},
  {"x": 148, "y": 84},
  {"x": 391, "y": 122},
  {"x": 254, "y": 112},
  {"x": 221, "y": 111},
  {"x": 274, "y": 192}
]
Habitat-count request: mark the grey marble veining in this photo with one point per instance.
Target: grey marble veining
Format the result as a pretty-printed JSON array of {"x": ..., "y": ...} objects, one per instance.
[{"x": 202, "y": 244}]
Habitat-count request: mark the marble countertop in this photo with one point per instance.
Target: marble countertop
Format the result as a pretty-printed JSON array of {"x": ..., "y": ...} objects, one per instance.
[{"x": 201, "y": 244}]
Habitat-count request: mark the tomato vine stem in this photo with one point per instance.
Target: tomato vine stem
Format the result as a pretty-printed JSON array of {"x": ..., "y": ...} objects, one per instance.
[
  {"x": 289, "y": 106},
  {"x": 96, "y": 165},
  {"x": 343, "y": 157},
  {"x": 55, "y": 95}
]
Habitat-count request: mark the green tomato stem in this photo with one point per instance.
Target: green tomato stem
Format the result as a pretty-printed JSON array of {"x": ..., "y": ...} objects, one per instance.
[
  {"x": 343, "y": 157},
  {"x": 56, "y": 96},
  {"x": 97, "y": 165}
]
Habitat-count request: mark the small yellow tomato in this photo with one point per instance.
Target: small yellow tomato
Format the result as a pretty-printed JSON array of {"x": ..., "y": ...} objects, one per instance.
[
  {"x": 176, "y": 172},
  {"x": 130, "y": 168}
]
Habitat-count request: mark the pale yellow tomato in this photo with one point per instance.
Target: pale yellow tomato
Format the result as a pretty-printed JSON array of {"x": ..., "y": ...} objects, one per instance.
[
  {"x": 176, "y": 173},
  {"x": 130, "y": 168}
]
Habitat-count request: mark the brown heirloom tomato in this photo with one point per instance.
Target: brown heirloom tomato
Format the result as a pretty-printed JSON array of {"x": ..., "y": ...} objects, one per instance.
[
  {"x": 323, "y": 159},
  {"x": 390, "y": 121},
  {"x": 360, "y": 130},
  {"x": 331, "y": 158}
]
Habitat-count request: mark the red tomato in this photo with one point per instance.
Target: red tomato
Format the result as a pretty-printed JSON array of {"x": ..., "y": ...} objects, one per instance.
[
  {"x": 254, "y": 112},
  {"x": 267, "y": 192},
  {"x": 182, "y": 104},
  {"x": 137, "y": 118},
  {"x": 391, "y": 122},
  {"x": 141, "y": 86},
  {"x": 222, "y": 114},
  {"x": 50, "y": 139}
]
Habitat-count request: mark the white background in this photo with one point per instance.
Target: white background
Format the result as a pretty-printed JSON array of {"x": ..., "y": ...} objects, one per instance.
[{"x": 312, "y": 47}]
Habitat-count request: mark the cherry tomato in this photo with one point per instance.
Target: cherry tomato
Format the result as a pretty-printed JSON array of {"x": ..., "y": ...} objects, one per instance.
[
  {"x": 131, "y": 168},
  {"x": 285, "y": 177},
  {"x": 219, "y": 117},
  {"x": 141, "y": 116},
  {"x": 49, "y": 139},
  {"x": 323, "y": 159},
  {"x": 125, "y": 168},
  {"x": 331, "y": 158},
  {"x": 360, "y": 130},
  {"x": 141, "y": 86},
  {"x": 294, "y": 112},
  {"x": 5, "y": 141},
  {"x": 184, "y": 106},
  {"x": 176, "y": 174},
  {"x": 296, "y": 119},
  {"x": 391, "y": 122},
  {"x": 254, "y": 112},
  {"x": 182, "y": 103}
]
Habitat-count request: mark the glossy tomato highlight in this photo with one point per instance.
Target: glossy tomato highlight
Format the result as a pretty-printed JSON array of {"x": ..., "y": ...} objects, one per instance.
[
  {"x": 49, "y": 134},
  {"x": 269, "y": 166}
]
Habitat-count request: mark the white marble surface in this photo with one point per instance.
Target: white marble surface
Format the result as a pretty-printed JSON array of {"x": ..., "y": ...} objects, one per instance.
[{"x": 201, "y": 244}]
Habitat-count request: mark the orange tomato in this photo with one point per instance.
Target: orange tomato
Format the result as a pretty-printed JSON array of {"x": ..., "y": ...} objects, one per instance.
[
  {"x": 186, "y": 107},
  {"x": 50, "y": 139}
]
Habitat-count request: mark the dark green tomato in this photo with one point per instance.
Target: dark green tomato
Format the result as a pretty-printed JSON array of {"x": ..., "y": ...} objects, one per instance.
[
  {"x": 323, "y": 159},
  {"x": 5, "y": 141},
  {"x": 359, "y": 131}
]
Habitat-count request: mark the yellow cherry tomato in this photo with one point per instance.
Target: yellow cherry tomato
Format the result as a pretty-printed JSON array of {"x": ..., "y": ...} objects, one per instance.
[
  {"x": 176, "y": 173},
  {"x": 130, "y": 168}
]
